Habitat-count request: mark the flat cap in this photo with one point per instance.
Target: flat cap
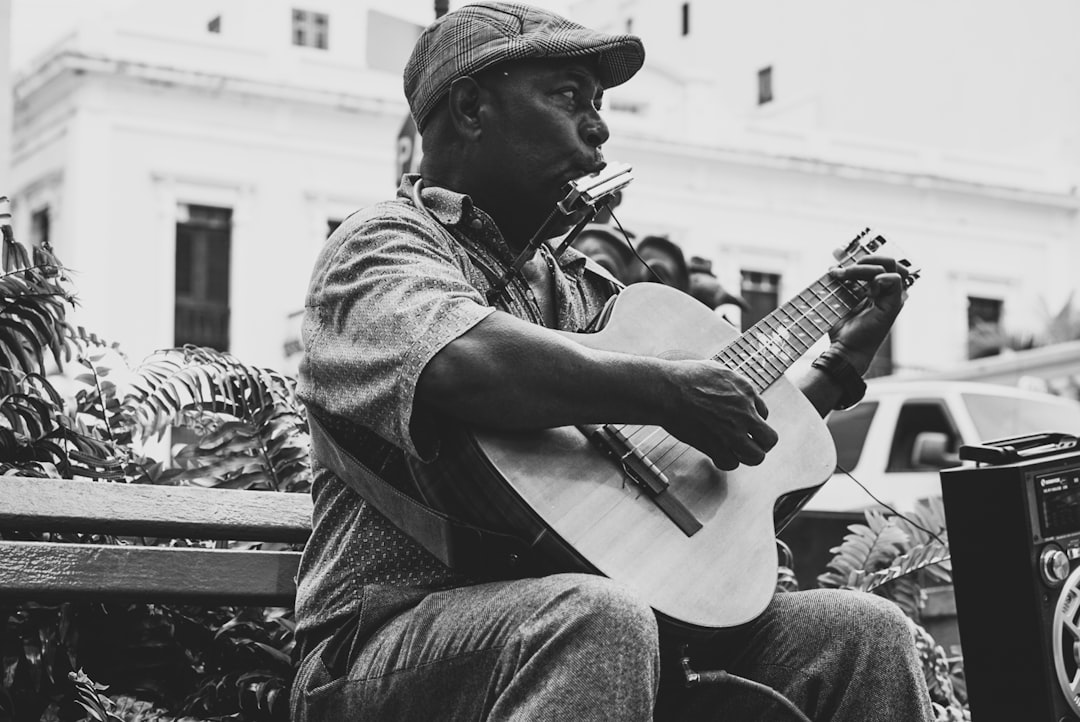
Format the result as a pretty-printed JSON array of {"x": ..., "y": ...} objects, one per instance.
[{"x": 483, "y": 34}]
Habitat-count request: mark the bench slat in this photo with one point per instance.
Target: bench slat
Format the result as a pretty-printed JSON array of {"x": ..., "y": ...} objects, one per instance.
[
  {"x": 31, "y": 504},
  {"x": 91, "y": 572}
]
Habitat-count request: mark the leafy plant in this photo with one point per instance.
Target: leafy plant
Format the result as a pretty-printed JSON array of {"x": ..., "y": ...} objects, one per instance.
[
  {"x": 246, "y": 430},
  {"x": 989, "y": 338},
  {"x": 252, "y": 429},
  {"x": 897, "y": 557}
]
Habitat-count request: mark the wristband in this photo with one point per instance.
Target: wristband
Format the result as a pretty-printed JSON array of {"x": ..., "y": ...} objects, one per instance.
[{"x": 843, "y": 374}]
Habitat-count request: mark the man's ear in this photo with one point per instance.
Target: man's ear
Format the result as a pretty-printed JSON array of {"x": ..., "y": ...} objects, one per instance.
[{"x": 464, "y": 100}]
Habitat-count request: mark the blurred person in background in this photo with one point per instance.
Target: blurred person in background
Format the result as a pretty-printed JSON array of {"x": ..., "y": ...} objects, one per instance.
[
  {"x": 664, "y": 263},
  {"x": 604, "y": 245},
  {"x": 705, "y": 287}
]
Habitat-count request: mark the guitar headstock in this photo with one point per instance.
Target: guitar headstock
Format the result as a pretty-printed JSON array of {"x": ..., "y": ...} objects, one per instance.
[{"x": 869, "y": 243}]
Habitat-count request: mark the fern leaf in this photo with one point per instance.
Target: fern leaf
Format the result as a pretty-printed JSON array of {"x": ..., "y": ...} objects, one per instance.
[
  {"x": 920, "y": 557},
  {"x": 867, "y": 546}
]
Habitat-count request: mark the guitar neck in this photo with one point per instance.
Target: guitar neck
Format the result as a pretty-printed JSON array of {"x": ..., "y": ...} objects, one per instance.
[{"x": 768, "y": 348}]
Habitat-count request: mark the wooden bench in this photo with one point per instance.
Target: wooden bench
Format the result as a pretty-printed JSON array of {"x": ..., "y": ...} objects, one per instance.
[{"x": 48, "y": 571}]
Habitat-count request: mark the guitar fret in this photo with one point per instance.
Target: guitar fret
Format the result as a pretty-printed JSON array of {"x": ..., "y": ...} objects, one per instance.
[
  {"x": 823, "y": 304},
  {"x": 843, "y": 297},
  {"x": 803, "y": 313},
  {"x": 796, "y": 339},
  {"x": 849, "y": 297},
  {"x": 757, "y": 374},
  {"x": 767, "y": 358},
  {"x": 766, "y": 351}
]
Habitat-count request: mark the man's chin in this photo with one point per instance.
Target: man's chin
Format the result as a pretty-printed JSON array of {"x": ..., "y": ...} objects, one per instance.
[{"x": 561, "y": 224}]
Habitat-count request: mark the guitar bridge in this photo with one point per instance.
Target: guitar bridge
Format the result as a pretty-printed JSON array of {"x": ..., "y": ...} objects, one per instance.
[{"x": 643, "y": 472}]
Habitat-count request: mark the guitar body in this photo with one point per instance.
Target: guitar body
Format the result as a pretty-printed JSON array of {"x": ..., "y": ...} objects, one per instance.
[{"x": 569, "y": 495}]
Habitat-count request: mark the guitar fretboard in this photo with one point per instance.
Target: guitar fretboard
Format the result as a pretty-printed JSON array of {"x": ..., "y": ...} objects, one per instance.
[{"x": 765, "y": 351}]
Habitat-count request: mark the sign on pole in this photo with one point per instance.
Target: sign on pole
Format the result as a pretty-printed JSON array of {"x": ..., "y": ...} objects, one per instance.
[{"x": 408, "y": 149}]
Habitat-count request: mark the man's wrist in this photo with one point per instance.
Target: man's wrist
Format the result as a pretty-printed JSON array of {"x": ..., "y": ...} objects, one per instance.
[{"x": 839, "y": 369}]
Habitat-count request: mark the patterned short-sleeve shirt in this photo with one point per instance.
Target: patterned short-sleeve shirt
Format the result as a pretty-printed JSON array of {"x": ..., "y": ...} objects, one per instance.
[{"x": 394, "y": 285}]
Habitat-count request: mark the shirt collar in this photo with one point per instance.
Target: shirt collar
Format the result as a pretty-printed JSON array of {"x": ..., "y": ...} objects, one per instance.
[
  {"x": 448, "y": 207},
  {"x": 451, "y": 209}
]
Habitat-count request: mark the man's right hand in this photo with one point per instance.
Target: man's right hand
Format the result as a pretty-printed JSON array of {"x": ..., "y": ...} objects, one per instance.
[
  {"x": 717, "y": 411},
  {"x": 510, "y": 374}
]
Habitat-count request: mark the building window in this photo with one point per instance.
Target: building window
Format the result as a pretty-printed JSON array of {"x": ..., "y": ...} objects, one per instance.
[
  {"x": 761, "y": 291},
  {"x": 985, "y": 337},
  {"x": 310, "y": 29},
  {"x": 214, "y": 26},
  {"x": 764, "y": 85},
  {"x": 39, "y": 227},
  {"x": 686, "y": 18},
  {"x": 203, "y": 240}
]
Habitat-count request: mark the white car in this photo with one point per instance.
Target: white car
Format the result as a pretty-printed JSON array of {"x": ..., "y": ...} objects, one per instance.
[{"x": 898, "y": 438}]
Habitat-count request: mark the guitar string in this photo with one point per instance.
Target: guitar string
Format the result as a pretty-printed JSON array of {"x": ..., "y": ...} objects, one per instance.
[
  {"x": 833, "y": 294},
  {"x": 737, "y": 367},
  {"x": 621, "y": 427}
]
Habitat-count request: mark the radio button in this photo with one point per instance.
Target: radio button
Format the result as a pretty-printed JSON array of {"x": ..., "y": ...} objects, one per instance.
[{"x": 1054, "y": 565}]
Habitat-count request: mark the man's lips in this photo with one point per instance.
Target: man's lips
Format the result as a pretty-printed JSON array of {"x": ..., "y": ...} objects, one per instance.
[{"x": 584, "y": 169}]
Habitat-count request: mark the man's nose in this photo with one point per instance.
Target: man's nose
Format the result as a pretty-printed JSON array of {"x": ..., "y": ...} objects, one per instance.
[{"x": 594, "y": 130}]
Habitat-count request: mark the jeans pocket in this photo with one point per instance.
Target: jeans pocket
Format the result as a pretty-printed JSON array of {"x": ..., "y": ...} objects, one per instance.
[{"x": 313, "y": 686}]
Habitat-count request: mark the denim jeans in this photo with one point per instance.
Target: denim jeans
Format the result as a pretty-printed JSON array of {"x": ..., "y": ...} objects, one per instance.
[{"x": 579, "y": 647}]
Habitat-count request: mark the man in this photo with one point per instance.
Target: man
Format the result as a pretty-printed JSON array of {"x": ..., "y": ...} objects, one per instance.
[{"x": 402, "y": 346}]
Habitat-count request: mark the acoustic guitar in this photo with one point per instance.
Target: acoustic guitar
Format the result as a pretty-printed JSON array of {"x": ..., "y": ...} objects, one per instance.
[{"x": 636, "y": 504}]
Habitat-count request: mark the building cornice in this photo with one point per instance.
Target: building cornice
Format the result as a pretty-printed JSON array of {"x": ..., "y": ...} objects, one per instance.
[
  {"x": 78, "y": 63},
  {"x": 73, "y": 62},
  {"x": 1067, "y": 198}
]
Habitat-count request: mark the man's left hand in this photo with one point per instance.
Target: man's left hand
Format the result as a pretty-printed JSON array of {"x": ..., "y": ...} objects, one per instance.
[{"x": 860, "y": 334}]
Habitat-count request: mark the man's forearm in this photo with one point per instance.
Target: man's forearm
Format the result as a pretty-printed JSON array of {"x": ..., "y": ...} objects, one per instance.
[{"x": 509, "y": 373}]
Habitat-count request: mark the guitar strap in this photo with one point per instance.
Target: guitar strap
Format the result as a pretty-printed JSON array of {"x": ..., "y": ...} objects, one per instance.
[{"x": 478, "y": 553}]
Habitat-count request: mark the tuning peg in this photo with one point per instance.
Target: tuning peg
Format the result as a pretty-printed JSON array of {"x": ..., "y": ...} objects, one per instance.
[{"x": 913, "y": 275}]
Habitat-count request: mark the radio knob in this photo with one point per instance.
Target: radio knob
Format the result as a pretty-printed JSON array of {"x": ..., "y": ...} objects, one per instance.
[{"x": 1054, "y": 565}]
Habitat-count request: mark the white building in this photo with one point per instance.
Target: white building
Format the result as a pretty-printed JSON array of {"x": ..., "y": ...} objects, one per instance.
[
  {"x": 5, "y": 97},
  {"x": 773, "y": 130},
  {"x": 186, "y": 159}
]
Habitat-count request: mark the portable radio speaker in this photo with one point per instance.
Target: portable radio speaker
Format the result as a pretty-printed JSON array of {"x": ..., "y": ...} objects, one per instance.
[{"x": 1014, "y": 532}]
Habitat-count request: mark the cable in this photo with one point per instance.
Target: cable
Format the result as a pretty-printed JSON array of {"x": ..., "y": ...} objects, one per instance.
[
  {"x": 633, "y": 250},
  {"x": 890, "y": 508},
  {"x": 526, "y": 253},
  {"x": 719, "y": 676}
]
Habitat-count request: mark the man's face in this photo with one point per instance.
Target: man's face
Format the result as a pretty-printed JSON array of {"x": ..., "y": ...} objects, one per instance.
[{"x": 541, "y": 129}]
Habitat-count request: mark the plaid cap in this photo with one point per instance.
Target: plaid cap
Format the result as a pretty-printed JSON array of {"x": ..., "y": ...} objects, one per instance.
[{"x": 482, "y": 34}]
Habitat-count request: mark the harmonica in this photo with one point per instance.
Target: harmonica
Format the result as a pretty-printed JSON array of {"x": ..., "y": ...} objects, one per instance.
[{"x": 595, "y": 187}]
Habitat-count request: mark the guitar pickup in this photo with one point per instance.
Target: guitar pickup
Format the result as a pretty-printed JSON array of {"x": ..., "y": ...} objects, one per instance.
[{"x": 595, "y": 188}]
